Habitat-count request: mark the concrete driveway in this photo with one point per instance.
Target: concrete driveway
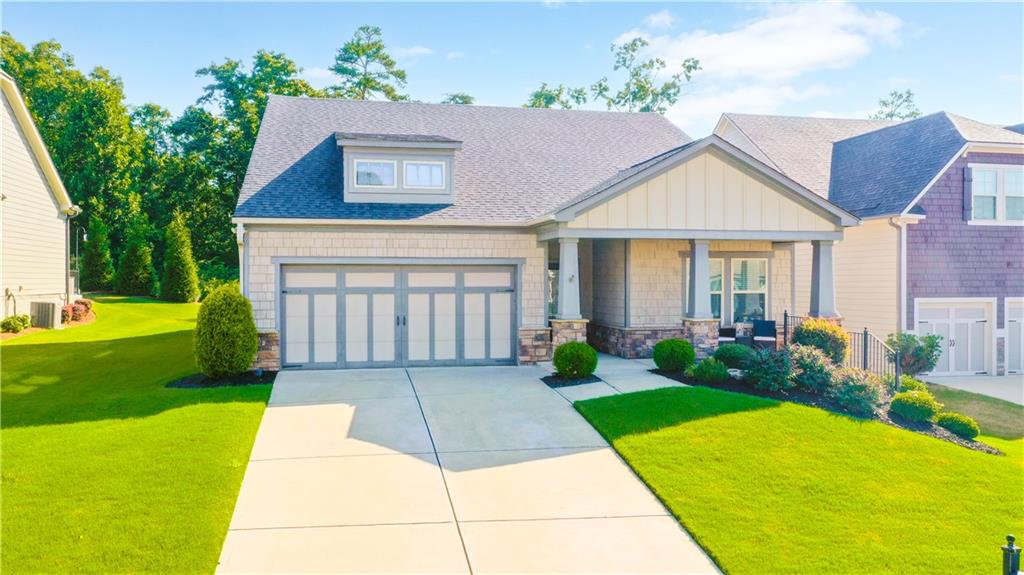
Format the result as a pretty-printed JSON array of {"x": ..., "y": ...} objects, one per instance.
[
  {"x": 444, "y": 470},
  {"x": 1008, "y": 387}
]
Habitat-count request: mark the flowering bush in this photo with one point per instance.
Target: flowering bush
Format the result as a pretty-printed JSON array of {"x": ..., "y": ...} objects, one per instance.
[
  {"x": 65, "y": 313},
  {"x": 826, "y": 336},
  {"x": 78, "y": 312}
]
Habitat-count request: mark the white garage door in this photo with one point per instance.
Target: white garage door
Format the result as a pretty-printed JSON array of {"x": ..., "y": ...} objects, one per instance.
[
  {"x": 353, "y": 316},
  {"x": 1014, "y": 336},
  {"x": 966, "y": 332}
]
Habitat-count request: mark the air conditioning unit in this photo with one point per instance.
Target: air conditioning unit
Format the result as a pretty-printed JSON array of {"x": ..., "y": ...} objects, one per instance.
[{"x": 44, "y": 314}]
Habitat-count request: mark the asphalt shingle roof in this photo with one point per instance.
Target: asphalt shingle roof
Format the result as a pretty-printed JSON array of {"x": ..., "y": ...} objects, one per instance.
[{"x": 515, "y": 164}]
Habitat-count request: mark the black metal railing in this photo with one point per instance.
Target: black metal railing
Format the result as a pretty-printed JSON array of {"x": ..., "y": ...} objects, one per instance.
[{"x": 866, "y": 352}]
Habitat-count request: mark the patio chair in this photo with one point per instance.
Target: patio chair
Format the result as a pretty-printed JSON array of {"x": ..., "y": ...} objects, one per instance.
[
  {"x": 726, "y": 335},
  {"x": 764, "y": 334}
]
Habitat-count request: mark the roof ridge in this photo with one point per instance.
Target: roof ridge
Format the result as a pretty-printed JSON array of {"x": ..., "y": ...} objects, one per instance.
[
  {"x": 795, "y": 117},
  {"x": 459, "y": 106}
]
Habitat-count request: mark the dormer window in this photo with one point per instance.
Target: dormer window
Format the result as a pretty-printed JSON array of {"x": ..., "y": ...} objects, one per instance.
[{"x": 397, "y": 168}]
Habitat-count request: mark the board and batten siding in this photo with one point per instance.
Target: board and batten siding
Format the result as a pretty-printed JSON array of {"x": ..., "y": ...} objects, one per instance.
[
  {"x": 707, "y": 192},
  {"x": 33, "y": 240},
  {"x": 266, "y": 243}
]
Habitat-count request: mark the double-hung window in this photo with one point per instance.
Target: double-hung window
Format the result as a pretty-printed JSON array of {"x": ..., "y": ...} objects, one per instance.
[
  {"x": 375, "y": 173},
  {"x": 749, "y": 289},
  {"x": 997, "y": 194}
]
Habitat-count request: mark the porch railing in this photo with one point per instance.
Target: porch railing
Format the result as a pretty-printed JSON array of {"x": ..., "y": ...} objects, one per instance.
[{"x": 866, "y": 352}]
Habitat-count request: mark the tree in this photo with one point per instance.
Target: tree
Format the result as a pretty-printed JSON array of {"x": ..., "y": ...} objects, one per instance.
[
  {"x": 366, "y": 69},
  {"x": 180, "y": 281},
  {"x": 562, "y": 96},
  {"x": 641, "y": 93},
  {"x": 458, "y": 98},
  {"x": 135, "y": 272},
  {"x": 898, "y": 106},
  {"x": 97, "y": 264}
]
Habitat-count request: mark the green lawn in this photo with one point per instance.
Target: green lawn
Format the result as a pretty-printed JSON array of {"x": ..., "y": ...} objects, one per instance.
[
  {"x": 105, "y": 470},
  {"x": 996, "y": 417},
  {"x": 770, "y": 487}
]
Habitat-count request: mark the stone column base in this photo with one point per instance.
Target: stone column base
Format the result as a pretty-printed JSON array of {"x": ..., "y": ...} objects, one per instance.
[
  {"x": 534, "y": 345},
  {"x": 269, "y": 355},
  {"x": 703, "y": 334},
  {"x": 566, "y": 330}
]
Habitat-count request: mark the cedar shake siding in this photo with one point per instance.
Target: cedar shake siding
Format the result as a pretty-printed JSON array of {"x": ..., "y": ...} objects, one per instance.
[{"x": 946, "y": 257}]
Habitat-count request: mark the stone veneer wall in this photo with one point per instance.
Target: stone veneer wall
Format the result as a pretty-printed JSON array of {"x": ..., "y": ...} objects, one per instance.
[
  {"x": 631, "y": 343},
  {"x": 534, "y": 345},
  {"x": 566, "y": 330},
  {"x": 703, "y": 334},
  {"x": 269, "y": 354}
]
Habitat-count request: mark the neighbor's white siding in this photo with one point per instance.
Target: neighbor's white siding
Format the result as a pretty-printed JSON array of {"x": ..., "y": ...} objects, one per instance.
[
  {"x": 708, "y": 192},
  {"x": 32, "y": 256},
  {"x": 265, "y": 243}
]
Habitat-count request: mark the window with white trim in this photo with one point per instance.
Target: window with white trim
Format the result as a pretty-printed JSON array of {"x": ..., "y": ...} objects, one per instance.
[
  {"x": 997, "y": 194},
  {"x": 716, "y": 269},
  {"x": 427, "y": 175},
  {"x": 375, "y": 173},
  {"x": 749, "y": 289}
]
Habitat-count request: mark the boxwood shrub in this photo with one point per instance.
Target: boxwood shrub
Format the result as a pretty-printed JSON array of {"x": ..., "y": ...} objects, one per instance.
[
  {"x": 734, "y": 355},
  {"x": 710, "y": 370},
  {"x": 824, "y": 335},
  {"x": 770, "y": 370},
  {"x": 915, "y": 406},
  {"x": 674, "y": 355},
  {"x": 908, "y": 383},
  {"x": 225, "y": 340},
  {"x": 812, "y": 369},
  {"x": 575, "y": 360},
  {"x": 856, "y": 391},
  {"x": 958, "y": 424}
]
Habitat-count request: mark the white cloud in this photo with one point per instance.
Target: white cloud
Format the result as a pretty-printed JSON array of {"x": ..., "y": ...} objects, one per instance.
[
  {"x": 454, "y": 55},
  {"x": 699, "y": 111},
  {"x": 412, "y": 54},
  {"x": 660, "y": 20},
  {"x": 318, "y": 77}
]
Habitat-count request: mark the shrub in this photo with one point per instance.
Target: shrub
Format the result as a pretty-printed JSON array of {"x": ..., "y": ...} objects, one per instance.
[
  {"x": 65, "y": 313},
  {"x": 958, "y": 424},
  {"x": 674, "y": 355},
  {"x": 575, "y": 360},
  {"x": 15, "y": 323},
  {"x": 180, "y": 281},
  {"x": 855, "y": 390},
  {"x": 97, "y": 264},
  {"x": 135, "y": 273},
  {"x": 812, "y": 369},
  {"x": 908, "y": 383},
  {"x": 915, "y": 405},
  {"x": 824, "y": 335},
  {"x": 212, "y": 275},
  {"x": 710, "y": 370},
  {"x": 770, "y": 370},
  {"x": 734, "y": 355},
  {"x": 225, "y": 340},
  {"x": 78, "y": 312},
  {"x": 87, "y": 303},
  {"x": 917, "y": 354}
]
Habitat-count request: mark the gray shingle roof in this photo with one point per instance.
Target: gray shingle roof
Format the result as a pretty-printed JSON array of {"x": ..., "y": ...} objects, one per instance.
[{"x": 515, "y": 164}]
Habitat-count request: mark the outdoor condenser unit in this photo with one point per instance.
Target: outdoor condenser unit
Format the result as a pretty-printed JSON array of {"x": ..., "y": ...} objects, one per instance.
[{"x": 43, "y": 314}]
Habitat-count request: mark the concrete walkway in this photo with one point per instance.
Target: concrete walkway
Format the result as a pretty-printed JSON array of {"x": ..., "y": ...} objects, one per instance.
[
  {"x": 1006, "y": 387},
  {"x": 446, "y": 470}
]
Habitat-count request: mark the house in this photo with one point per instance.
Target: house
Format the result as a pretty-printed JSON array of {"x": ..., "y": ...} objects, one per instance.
[
  {"x": 398, "y": 233},
  {"x": 941, "y": 199},
  {"x": 35, "y": 211}
]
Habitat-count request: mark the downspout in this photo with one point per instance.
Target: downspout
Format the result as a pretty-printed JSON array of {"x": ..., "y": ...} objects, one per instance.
[
  {"x": 901, "y": 251},
  {"x": 69, "y": 214},
  {"x": 240, "y": 238}
]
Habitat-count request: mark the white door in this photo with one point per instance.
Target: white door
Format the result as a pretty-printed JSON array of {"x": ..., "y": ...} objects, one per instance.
[
  {"x": 1014, "y": 339},
  {"x": 965, "y": 331},
  {"x": 372, "y": 318}
]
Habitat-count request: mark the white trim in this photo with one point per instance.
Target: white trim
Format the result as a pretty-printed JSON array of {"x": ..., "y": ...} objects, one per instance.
[
  {"x": 378, "y": 223},
  {"x": 993, "y": 302},
  {"x": 444, "y": 175},
  {"x": 355, "y": 173},
  {"x": 1000, "y": 194},
  {"x": 935, "y": 178},
  {"x": 1005, "y": 332},
  {"x": 563, "y": 231}
]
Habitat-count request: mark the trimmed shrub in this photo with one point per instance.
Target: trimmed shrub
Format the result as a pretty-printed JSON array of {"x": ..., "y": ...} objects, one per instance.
[
  {"x": 915, "y": 406},
  {"x": 917, "y": 354},
  {"x": 674, "y": 355},
  {"x": 812, "y": 369},
  {"x": 212, "y": 275},
  {"x": 65, "y": 313},
  {"x": 770, "y": 370},
  {"x": 575, "y": 360},
  {"x": 908, "y": 383},
  {"x": 78, "y": 312},
  {"x": 857, "y": 391},
  {"x": 97, "y": 264},
  {"x": 225, "y": 340},
  {"x": 710, "y": 370},
  {"x": 15, "y": 323},
  {"x": 180, "y": 281},
  {"x": 734, "y": 355},
  {"x": 958, "y": 424},
  {"x": 824, "y": 335},
  {"x": 135, "y": 273}
]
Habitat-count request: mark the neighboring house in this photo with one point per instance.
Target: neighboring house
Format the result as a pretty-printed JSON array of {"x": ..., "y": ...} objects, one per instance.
[
  {"x": 384, "y": 234},
  {"x": 35, "y": 211},
  {"x": 941, "y": 200}
]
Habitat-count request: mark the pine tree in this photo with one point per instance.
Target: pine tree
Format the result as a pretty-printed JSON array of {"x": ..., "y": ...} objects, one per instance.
[
  {"x": 97, "y": 264},
  {"x": 135, "y": 272},
  {"x": 180, "y": 281}
]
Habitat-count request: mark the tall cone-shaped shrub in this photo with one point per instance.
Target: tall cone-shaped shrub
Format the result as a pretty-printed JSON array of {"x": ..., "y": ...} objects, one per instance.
[
  {"x": 97, "y": 263},
  {"x": 135, "y": 272},
  {"x": 180, "y": 281},
  {"x": 225, "y": 340}
]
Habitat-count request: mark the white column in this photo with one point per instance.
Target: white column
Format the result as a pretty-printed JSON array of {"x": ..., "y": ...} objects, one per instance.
[
  {"x": 568, "y": 278},
  {"x": 823, "y": 287},
  {"x": 699, "y": 291}
]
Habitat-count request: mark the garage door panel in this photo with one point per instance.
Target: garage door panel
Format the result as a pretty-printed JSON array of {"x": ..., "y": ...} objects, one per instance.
[
  {"x": 475, "y": 326},
  {"x": 444, "y": 326},
  {"x": 966, "y": 331},
  {"x": 383, "y": 327},
  {"x": 419, "y": 327},
  {"x": 296, "y": 328},
  {"x": 325, "y": 328},
  {"x": 357, "y": 327},
  {"x": 500, "y": 316}
]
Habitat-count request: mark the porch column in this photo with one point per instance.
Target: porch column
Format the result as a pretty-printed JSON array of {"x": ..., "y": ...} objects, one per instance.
[
  {"x": 699, "y": 298},
  {"x": 568, "y": 278},
  {"x": 823, "y": 288}
]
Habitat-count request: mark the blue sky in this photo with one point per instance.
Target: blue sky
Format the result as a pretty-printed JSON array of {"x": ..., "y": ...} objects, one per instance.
[{"x": 804, "y": 59}]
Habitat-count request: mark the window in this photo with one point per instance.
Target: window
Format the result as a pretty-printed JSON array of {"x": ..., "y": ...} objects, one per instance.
[
  {"x": 715, "y": 272},
  {"x": 749, "y": 289},
  {"x": 375, "y": 174},
  {"x": 997, "y": 194},
  {"x": 424, "y": 175}
]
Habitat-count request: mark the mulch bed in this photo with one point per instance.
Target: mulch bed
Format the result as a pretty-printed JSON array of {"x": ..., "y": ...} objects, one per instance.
[
  {"x": 555, "y": 381},
  {"x": 814, "y": 400},
  {"x": 200, "y": 380},
  {"x": 91, "y": 317}
]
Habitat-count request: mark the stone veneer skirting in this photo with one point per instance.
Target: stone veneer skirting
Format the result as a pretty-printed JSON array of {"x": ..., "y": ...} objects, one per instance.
[
  {"x": 629, "y": 342},
  {"x": 534, "y": 345},
  {"x": 566, "y": 330},
  {"x": 269, "y": 354}
]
